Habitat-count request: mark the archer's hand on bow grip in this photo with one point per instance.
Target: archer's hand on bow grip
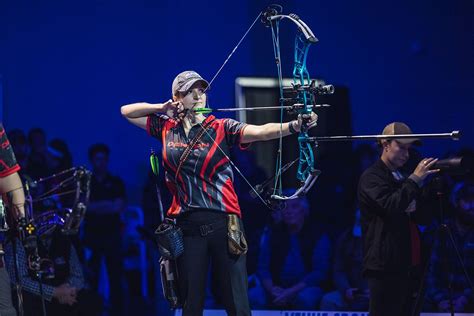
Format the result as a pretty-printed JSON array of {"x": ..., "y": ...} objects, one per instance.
[{"x": 310, "y": 121}]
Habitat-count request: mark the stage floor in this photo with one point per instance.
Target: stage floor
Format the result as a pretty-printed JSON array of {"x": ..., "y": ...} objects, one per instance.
[{"x": 216, "y": 312}]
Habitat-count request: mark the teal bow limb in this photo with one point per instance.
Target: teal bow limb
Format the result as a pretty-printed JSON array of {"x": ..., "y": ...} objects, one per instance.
[
  {"x": 301, "y": 77},
  {"x": 306, "y": 160}
]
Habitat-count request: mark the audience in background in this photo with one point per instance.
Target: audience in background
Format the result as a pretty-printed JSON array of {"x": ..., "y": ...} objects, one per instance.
[
  {"x": 102, "y": 227},
  {"x": 62, "y": 282},
  {"x": 20, "y": 147},
  {"x": 62, "y": 158},
  {"x": 288, "y": 260},
  {"x": 255, "y": 216},
  {"x": 351, "y": 288},
  {"x": 294, "y": 261},
  {"x": 40, "y": 159},
  {"x": 447, "y": 282}
]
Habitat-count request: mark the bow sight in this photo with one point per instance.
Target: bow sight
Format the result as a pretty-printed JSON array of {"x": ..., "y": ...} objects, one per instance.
[
  {"x": 293, "y": 96},
  {"x": 299, "y": 98}
]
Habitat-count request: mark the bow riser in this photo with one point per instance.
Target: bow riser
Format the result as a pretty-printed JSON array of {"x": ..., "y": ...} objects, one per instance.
[
  {"x": 302, "y": 92},
  {"x": 301, "y": 77}
]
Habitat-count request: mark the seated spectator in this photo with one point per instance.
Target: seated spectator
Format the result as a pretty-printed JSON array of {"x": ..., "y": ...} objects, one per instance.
[
  {"x": 446, "y": 271},
  {"x": 293, "y": 261},
  {"x": 63, "y": 289},
  {"x": 352, "y": 291}
]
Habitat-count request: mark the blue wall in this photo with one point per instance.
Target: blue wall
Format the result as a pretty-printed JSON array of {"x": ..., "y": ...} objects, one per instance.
[{"x": 67, "y": 66}]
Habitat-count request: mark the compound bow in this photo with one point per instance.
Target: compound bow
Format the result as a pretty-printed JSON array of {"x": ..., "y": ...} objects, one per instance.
[{"x": 298, "y": 98}]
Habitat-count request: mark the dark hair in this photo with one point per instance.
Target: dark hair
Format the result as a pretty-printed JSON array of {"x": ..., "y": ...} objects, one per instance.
[
  {"x": 17, "y": 137},
  {"x": 63, "y": 149},
  {"x": 98, "y": 148},
  {"x": 35, "y": 130}
]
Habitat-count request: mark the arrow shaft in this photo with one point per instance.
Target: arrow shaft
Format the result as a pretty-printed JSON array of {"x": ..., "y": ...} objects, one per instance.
[
  {"x": 455, "y": 135},
  {"x": 261, "y": 108}
]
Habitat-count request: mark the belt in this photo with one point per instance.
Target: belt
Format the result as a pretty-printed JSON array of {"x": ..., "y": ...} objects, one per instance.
[{"x": 202, "y": 230}]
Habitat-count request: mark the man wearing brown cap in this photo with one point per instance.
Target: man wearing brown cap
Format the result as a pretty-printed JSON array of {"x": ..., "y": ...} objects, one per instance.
[{"x": 390, "y": 208}]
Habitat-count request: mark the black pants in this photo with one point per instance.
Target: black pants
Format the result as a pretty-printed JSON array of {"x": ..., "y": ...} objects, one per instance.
[
  {"x": 204, "y": 247},
  {"x": 391, "y": 295}
]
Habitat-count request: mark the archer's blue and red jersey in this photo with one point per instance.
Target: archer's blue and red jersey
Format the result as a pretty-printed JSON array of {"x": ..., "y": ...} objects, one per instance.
[
  {"x": 205, "y": 180},
  {"x": 8, "y": 164}
]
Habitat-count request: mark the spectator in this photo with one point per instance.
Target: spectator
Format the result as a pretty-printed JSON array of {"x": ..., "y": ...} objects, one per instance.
[
  {"x": 446, "y": 271},
  {"x": 293, "y": 262},
  {"x": 102, "y": 229},
  {"x": 392, "y": 205},
  {"x": 61, "y": 160},
  {"x": 40, "y": 158},
  {"x": 254, "y": 216},
  {"x": 352, "y": 290},
  {"x": 63, "y": 288},
  {"x": 62, "y": 155}
]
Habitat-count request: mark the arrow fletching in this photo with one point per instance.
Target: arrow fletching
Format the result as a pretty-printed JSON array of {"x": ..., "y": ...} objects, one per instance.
[
  {"x": 154, "y": 162},
  {"x": 203, "y": 110}
]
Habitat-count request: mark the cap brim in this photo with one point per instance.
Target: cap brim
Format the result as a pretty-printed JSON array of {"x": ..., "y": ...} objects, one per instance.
[
  {"x": 191, "y": 83},
  {"x": 413, "y": 141}
]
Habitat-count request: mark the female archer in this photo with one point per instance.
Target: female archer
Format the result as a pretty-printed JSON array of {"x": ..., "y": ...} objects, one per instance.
[{"x": 199, "y": 175}]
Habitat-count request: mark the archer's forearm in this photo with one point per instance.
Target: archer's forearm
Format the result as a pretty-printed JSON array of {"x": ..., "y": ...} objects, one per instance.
[
  {"x": 140, "y": 109},
  {"x": 272, "y": 130},
  {"x": 257, "y": 133}
]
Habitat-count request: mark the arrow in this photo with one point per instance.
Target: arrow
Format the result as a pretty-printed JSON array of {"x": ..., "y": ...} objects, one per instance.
[{"x": 259, "y": 108}]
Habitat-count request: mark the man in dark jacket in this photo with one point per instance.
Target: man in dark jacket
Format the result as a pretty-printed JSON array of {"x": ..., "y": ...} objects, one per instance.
[{"x": 390, "y": 212}]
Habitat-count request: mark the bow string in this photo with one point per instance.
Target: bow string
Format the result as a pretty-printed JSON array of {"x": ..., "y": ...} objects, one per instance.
[{"x": 302, "y": 94}]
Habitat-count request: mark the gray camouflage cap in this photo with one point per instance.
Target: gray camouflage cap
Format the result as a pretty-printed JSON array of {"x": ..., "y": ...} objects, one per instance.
[{"x": 185, "y": 80}]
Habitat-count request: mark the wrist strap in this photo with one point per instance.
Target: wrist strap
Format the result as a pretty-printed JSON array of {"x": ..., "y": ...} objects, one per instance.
[{"x": 292, "y": 128}]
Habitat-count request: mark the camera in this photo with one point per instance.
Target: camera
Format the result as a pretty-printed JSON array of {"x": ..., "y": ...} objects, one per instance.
[{"x": 454, "y": 165}]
